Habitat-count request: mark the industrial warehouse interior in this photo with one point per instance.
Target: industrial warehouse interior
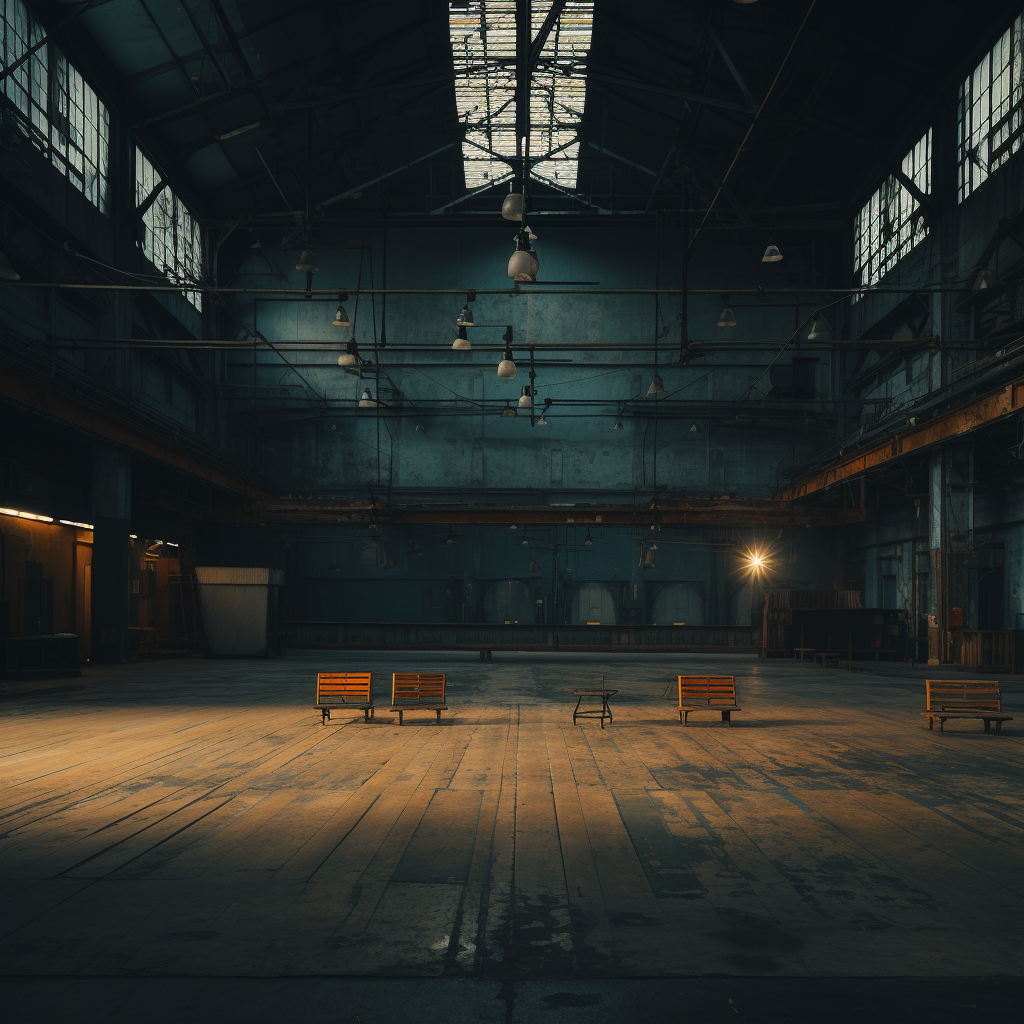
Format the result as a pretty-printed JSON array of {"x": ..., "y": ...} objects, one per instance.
[{"x": 511, "y": 511}]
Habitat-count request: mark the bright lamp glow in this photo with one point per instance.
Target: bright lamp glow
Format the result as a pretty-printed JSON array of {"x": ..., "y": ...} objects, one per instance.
[{"x": 26, "y": 515}]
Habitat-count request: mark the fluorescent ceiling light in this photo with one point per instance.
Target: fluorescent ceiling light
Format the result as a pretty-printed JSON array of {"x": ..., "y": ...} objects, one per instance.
[
  {"x": 25, "y": 515},
  {"x": 81, "y": 526}
]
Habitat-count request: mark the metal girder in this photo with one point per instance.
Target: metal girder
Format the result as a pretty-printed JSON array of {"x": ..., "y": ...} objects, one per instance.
[
  {"x": 381, "y": 177},
  {"x": 737, "y": 77},
  {"x": 956, "y": 423},
  {"x": 687, "y": 512},
  {"x": 545, "y": 30},
  {"x": 47, "y": 400},
  {"x": 690, "y": 95}
]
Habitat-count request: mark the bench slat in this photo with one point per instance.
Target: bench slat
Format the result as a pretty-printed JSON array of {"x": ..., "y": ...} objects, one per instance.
[{"x": 412, "y": 691}]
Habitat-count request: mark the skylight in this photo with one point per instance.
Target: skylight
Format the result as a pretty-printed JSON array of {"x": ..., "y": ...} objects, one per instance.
[
  {"x": 557, "y": 94},
  {"x": 483, "y": 37}
]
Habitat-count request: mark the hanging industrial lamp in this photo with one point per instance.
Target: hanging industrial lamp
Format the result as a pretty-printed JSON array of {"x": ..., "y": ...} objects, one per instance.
[
  {"x": 512, "y": 206},
  {"x": 534, "y": 567},
  {"x": 507, "y": 366},
  {"x": 657, "y": 386},
  {"x": 543, "y": 421},
  {"x": 617, "y": 425},
  {"x": 727, "y": 318},
  {"x": 307, "y": 262},
  {"x": 771, "y": 254},
  {"x": 820, "y": 330},
  {"x": 984, "y": 281},
  {"x": 508, "y": 413},
  {"x": 524, "y": 264},
  {"x": 461, "y": 342},
  {"x": 526, "y": 398},
  {"x": 341, "y": 315},
  {"x": 465, "y": 318},
  {"x": 350, "y": 357},
  {"x": 589, "y": 541},
  {"x": 7, "y": 272},
  {"x": 366, "y": 400}
]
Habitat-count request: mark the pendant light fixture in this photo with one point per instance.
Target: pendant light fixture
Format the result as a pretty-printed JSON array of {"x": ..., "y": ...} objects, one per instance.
[
  {"x": 983, "y": 282},
  {"x": 771, "y": 254},
  {"x": 727, "y": 318},
  {"x": 589, "y": 541},
  {"x": 526, "y": 398},
  {"x": 350, "y": 357},
  {"x": 657, "y": 386},
  {"x": 341, "y": 318},
  {"x": 512, "y": 206},
  {"x": 534, "y": 567},
  {"x": 465, "y": 317},
  {"x": 508, "y": 413},
  {"x": 507, "y": 366},
  {"x": 524, "y": 264},
  {"x": 461, "y": 342},
  {"x": 7, "y": 272},
  {"x": 617, "y": 425},
  {"x": 820, "y": 330},
  {"x": 307, "y": 261},
  {"x": 543, "y": 421},
  {"x": 526, "y": 542},
  {"x": 366, "y": 400}
]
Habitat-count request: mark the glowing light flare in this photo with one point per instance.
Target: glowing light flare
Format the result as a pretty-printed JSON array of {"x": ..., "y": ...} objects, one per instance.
[{"x": 757, "y": 562}]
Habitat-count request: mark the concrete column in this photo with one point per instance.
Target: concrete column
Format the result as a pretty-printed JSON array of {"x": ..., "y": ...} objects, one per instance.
[
  {"x": 951, "y": 541},
  {"x": 111, "y": 552}
]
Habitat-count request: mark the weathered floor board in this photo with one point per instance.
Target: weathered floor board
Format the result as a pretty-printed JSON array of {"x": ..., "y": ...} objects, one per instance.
[{"x": 195, "y": 818}]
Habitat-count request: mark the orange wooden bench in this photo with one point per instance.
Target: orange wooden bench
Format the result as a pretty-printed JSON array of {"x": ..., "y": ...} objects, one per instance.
[
  {"x": 417, "y": 691},
  {"x": 967, "y": 698},
  {"x": 707, "y": 693},
  {"x": 337, "y": 690}
]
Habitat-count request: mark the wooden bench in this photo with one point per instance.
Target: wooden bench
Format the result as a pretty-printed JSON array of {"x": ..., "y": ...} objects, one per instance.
[
  {"x": 968, "y": 698},
  {"x": 337, "y": 690},
  {"x": 417, "y": 691},
  {"x": 707, "y": 693}
]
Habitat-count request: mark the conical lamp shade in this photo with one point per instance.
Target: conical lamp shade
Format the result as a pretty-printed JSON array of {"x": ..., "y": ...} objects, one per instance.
[
  {"x": 341, "y": 318},
  {"x": 771, "y": 254},
  {"x": 727, "y": 318},
  {"x": 512, "y": 206},
  {"x": 307, "y": 262},
  {"x": 7, "y": 272},
  {"x": 523, "y": 265},
  {"x": 657, "y": 386},
  {"x": 507, "y": 369},
  {"x": 461, "y": 343},
  {"x": 465, "y": 318},
  {"x": 819, "y": 330}
]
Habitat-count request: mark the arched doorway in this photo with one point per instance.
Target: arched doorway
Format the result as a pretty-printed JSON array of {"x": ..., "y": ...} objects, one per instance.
[
  {"x": 739, "y": 606},
  {"x": 509, "y": 601},
  {"x": 678, "y": 602},
  {"x": 593, "y": 602}
]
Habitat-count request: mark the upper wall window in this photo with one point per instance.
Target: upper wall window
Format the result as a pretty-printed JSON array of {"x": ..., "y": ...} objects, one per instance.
[
  {"x": 50, "y": 102},
  {"x": 991, "y": 103},
  {"x": 891, "y": 222},
  {"x": 172, "y": 239}
]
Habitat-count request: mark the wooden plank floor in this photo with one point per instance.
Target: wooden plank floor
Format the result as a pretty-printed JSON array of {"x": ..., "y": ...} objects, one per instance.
[{"x": 195, "y": 818}]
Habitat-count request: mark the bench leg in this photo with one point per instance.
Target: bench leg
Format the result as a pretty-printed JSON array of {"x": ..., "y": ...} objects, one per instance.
[
  {"x": 399, "y": 717},
  {"x": 438, "y": 717},
  {"x": 680, "y": 718},
  {"x": 366, "y": 714},
  {"x": 988, "y": 724},
  {"x": 931, "y": 723},
  {"x": 686, "y": 715},
  {"x": 999, "y": 728},
  {"x": 727, "y": 717},
  {"x": 942, "y": 726},
  {"x": 324, "y": 715}
]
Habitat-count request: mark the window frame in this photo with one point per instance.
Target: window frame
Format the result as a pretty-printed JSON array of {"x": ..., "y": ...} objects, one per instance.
[{"x": 55, "y": 106}]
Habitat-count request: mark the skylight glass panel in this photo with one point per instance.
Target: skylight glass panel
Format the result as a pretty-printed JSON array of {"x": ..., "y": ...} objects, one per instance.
[
  {"x": 483, "y": 36},
  {"x": 557, "y": 93}
]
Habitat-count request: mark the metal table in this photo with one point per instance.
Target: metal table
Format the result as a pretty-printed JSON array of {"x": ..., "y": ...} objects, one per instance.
[{"x": 603, "y": 712}]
